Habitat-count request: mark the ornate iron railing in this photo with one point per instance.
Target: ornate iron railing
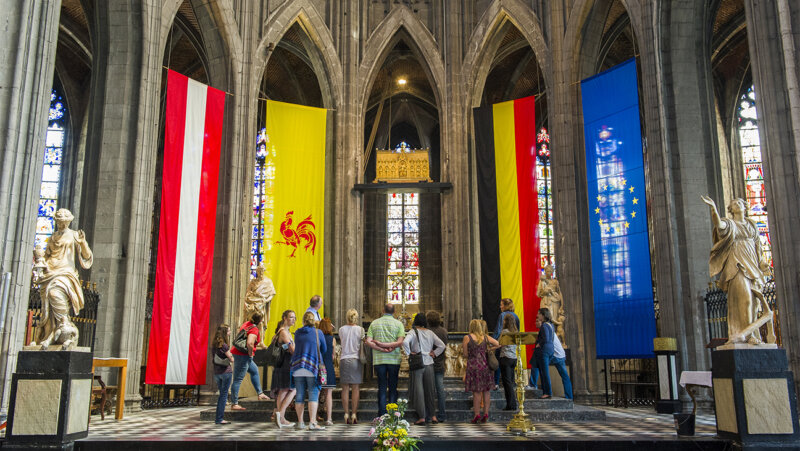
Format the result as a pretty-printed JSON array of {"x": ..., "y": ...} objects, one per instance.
[
  {"x": 631, "y": 382},
  {"x": 161, "y": 396},
  {"x": 85, "y": 320},
  {"x": 717, "y": 313}
]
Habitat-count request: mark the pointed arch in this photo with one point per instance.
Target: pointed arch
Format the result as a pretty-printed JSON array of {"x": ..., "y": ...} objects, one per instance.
[
  {"x": 582, "y": 28},
  {"x": 303, "y": 13},
  {"x": 222, "y": 43},
  {"x": 383, "y": 40},
  {"x": 486, "y": 39}
]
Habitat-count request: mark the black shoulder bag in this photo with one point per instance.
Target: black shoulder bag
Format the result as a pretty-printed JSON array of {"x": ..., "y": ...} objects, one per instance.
[{"x": 415, "y": 359}]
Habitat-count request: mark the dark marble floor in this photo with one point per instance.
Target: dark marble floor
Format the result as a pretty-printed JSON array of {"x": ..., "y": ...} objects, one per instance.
[{"x": 182, "y": 428}]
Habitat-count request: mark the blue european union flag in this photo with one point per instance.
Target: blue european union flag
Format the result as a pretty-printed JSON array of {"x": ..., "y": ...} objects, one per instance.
[{"x": 621, "y": 275}]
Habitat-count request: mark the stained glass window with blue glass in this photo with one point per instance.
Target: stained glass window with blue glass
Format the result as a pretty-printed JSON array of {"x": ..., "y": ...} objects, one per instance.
[
  {"x": 51, "y": 171},
  {"x": 756, "y": 197},
  {"x": 263, "y": 202}
]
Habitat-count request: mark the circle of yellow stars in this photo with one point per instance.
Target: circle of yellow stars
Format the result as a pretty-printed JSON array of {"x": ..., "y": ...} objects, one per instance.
[{"x": 601, "y": 222}]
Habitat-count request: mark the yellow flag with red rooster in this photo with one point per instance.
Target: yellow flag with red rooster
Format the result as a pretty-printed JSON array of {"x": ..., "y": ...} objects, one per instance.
[{"x": 294, "y": 207}]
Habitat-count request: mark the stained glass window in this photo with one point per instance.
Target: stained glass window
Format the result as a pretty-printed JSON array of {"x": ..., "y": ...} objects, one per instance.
[
  {"x": 544, "y": 188},
  {"x": 263, "y": 200},
  {"x": 756, "y": 198},
  {"x": 402, "y": 238},
  {"x": 51, "y": 172}
]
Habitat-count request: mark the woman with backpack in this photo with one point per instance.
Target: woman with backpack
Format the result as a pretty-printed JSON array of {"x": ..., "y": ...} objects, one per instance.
[{"x": 243, "y": 359}]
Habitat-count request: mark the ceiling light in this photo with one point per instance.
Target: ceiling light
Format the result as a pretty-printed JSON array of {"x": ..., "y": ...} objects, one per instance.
[{"x": 402, "y": 81}]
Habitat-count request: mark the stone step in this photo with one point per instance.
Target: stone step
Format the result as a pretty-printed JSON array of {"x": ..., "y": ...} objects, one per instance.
[
  {"x": 450, "y": 404},
  {"x": 371, "y": 393},
  {"x": 577, "y": 414}
]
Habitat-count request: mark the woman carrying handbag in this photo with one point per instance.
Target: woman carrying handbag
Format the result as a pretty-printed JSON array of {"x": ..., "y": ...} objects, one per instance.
[
  {"x": 281, "y": 379},
  {"x": 223, "y": 373},
  {"x": 478, "y": 379},
  {"x": 306, "y": 370},
  {"x": 421, "y": 381}
]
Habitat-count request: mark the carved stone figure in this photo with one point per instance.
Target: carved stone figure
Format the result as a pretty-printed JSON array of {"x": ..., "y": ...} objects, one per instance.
[
  {"x": 39, "y": 264},
  {"x": 259, "y": 295},
  {"x": 59, "y": 286},
  {"x": 549, "y": 291},
  {"x": 455, "y": 362},
  {"x": 737, "y": 258}
]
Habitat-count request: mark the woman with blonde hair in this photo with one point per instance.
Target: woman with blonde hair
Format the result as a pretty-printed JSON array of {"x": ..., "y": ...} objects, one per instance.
[
  {"x": 281, "y": 380},
  {"x": 309, "y": 346},
  {"x": 350, "y": 367},
  {"x": 478, "y": 379}
]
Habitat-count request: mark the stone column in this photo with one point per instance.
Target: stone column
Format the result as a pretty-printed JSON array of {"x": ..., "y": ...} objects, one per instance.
[
  {"x": 773, "y": 34},
  {"x": 120, "y": 165},
  {"x": 570, "y": 217},
  {"x": 27, "y": 58},
  {"x": 682, "y": 163},
  {"x": 459, "y": 295},
  {"x": 347, "y": 219}
]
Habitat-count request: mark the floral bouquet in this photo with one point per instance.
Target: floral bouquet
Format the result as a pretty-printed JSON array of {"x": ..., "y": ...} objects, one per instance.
[{"x": 390, "y": 431}]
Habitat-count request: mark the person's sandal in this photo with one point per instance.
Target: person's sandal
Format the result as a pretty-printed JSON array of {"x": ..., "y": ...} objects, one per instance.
[
  {"x": 354, "y": 418},
  {"x": 329, "y": 423},
  {"x": 315, "y": 427},
  {"x": 476, "y": 419},
  {"x": 485, "y": 418},
  {"x": 237, "y": 407},
  {"x": 264, "y": 397}
]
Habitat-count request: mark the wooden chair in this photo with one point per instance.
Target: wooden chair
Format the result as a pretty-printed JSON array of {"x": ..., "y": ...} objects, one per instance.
[{"x": 99, "y": 398}]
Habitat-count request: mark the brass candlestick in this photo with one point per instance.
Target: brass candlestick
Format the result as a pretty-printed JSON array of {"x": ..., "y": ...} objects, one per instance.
[{"x": 521, "y": 420}]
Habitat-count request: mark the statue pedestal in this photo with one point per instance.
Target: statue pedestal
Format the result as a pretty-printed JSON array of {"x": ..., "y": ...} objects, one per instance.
[
  {"x": 50, "y": 395},
  {"x": 755, "y": 401}
]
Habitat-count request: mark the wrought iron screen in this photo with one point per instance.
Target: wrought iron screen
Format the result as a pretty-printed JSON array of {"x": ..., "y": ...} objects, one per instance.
[
  {"x": 631, "y": 382},
  {"x": 717, "y": 313},
  {"x": 85, "y": 320}
]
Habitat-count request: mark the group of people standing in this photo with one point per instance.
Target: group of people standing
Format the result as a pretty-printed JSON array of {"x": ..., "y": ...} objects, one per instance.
[{"x": 305, "y": 369}]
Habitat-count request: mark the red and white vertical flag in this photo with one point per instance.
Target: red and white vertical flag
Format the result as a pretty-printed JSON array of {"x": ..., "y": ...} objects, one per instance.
[{"x": 192, "y": 137}]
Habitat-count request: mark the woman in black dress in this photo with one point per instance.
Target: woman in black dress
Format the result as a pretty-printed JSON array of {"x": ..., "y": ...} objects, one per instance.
[{"x": 280, "y": 375}]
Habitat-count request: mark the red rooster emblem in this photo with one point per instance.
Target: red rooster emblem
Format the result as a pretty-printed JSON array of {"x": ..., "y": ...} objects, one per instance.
[{"x": 303, "y": 232}]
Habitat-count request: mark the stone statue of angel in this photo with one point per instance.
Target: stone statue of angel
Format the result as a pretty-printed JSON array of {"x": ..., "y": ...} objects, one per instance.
[
  {"x": 59, "y": 286},
  {"x": 738, "y": 260},
  {"x": 258, "y": 298}
]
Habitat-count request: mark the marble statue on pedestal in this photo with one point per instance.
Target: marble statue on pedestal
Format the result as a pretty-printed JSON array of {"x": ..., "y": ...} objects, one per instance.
[
  {"x": 259, "y": 295},
  {"x": 59, "y": 286},
  {"x": 549, "y": 291},
  {"x": 737, "y": 258}
]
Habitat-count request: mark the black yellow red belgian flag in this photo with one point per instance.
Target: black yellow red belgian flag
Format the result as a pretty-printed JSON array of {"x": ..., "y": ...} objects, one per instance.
[{"x": 505, "y": 138}]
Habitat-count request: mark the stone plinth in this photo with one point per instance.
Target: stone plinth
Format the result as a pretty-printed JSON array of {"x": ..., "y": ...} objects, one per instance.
[
  {"x": 50, "y": 395},
  {"x": 755, "y": 400}
]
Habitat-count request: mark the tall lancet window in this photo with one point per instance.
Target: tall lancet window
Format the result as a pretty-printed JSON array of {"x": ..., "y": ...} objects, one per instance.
[
  {"x": 402, "y": 243},
  {"x": 263, "y": 200},
  {"x": 544, "y": 188},
  {"x": 756, "y": 198},
  {"x": 51, "y": 171}
]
